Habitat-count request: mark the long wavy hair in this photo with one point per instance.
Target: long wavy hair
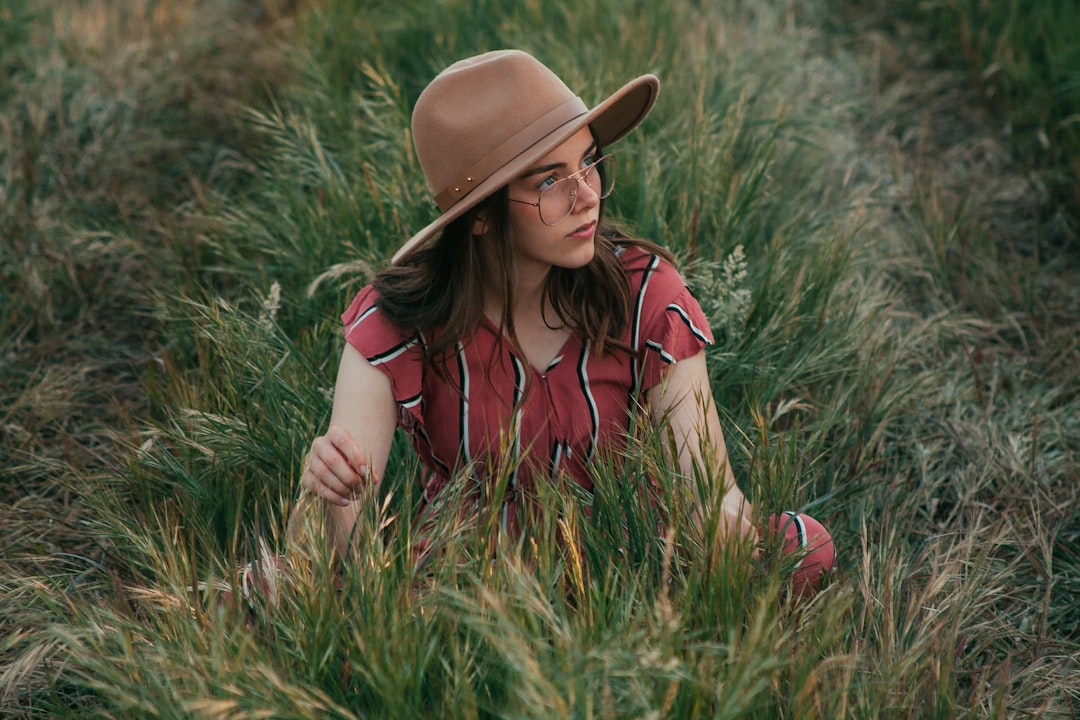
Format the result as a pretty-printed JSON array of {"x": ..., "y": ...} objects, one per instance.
[{"x": 445, "y": 285}]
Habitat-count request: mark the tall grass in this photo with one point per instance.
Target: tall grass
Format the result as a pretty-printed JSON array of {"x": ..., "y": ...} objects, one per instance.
[
  {"x": 883, "y": 360},
  {"x": 1023, "y": 61}
]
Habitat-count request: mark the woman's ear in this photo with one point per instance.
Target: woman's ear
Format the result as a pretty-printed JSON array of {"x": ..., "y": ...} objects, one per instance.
[{"x": 480, "y": 225}]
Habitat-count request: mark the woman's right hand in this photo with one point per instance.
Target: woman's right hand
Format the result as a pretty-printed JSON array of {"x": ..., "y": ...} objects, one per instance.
[{"x": 336, "y": 468}]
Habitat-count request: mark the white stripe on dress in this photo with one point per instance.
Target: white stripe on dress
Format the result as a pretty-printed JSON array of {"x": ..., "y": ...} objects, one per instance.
[
  {"x": 586, "y": 389},
  {"x": 463, "y": 412},
  {"x": 664, "y": 354},
  {"x": 635, "y": 328},
  {"x": 698, "y": 332},
  {"x": 363, "y": 316},
  {"x": 519, "y": 393},
  {"x": 393, "y": 352}
]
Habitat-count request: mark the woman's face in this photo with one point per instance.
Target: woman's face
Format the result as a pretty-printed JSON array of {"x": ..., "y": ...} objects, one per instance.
[{"x": 568, "y": 243}]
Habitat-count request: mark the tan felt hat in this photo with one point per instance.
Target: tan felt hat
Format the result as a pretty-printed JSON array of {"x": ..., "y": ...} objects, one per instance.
[{"x": 486, "y": 119}]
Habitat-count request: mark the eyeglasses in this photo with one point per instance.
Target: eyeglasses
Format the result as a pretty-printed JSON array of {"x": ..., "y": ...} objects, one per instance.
[{"x": 558, "y": 199}]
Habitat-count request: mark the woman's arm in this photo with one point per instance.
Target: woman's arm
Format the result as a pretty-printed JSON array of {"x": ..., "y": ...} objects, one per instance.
[
  {"x": 355, "y": 448},
  {"x": 684, "y": 402}
]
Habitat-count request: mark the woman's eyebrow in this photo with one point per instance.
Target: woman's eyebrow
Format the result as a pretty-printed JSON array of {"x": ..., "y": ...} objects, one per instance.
[
  {"x": 555, "y": 166},
  {"x": 543, "y": 169}
]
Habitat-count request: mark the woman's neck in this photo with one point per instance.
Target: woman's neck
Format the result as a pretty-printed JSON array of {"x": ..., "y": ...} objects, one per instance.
[
  {"x": 528, "y": 301},
  {"x": 533, "y": 327}
]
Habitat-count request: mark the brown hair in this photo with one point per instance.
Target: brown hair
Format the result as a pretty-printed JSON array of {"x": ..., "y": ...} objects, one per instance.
[{"x": 445, "y": 285}]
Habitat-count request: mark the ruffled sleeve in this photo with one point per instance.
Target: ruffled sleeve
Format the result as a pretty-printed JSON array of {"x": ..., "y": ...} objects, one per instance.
[
  {"x": 398, "y": 355},
  {"x": 669, "y": 324}
]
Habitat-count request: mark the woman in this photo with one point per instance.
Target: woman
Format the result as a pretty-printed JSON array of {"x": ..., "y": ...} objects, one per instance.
[{"x": 517, "y": 334}]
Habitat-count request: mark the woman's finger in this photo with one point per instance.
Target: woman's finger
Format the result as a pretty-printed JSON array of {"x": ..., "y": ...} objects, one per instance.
[
  {"x": 339, "y": 464},
  {"x": 323, "y": 478},
  {"x": 329, "y": 495},
  {"x": 346, "y": 446}
]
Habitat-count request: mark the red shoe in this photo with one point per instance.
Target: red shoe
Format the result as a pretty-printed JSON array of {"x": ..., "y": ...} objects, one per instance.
[{"x": 811, "y": 543}]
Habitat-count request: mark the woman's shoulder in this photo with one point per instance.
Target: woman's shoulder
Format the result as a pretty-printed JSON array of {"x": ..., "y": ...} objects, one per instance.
[
  {"x": 364, "y": 304},
  {"x": 366, "y": 325},
  {"x": 633, "y": 255},
  {"x": 647, "y": 265}
]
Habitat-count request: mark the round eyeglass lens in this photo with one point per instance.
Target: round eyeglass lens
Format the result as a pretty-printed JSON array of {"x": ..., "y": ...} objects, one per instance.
[{"x": 557, "y": 202}]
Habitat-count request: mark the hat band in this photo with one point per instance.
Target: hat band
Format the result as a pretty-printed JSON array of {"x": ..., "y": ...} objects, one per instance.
[{"x": 517, "y": 144}]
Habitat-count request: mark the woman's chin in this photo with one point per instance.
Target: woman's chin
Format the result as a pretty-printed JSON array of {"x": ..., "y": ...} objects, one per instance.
[{"x": 580, "y": 257}]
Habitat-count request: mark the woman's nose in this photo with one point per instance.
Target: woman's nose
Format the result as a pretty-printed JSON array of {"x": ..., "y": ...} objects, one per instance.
[{"x": 587, "y": 195}]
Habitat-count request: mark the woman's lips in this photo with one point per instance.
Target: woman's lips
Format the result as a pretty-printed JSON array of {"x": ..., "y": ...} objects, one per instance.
[{"x": 585, "y": 231}]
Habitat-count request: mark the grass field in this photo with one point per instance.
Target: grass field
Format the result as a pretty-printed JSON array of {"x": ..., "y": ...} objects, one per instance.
[{"x": 192, "y": 190}]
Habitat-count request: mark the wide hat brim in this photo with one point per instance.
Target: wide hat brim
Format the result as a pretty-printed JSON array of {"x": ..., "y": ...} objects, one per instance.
[{"x": 610, "y": 121}]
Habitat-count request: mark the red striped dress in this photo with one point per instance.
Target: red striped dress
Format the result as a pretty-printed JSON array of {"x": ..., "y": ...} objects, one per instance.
[{"x": 492, "y": 420}]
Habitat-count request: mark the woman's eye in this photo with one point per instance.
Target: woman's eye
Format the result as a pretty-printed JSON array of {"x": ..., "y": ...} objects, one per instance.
[{"x": 547, "y": 182}]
